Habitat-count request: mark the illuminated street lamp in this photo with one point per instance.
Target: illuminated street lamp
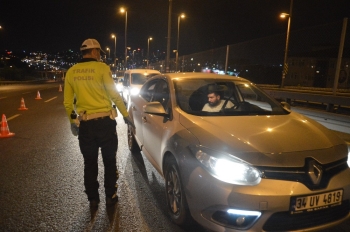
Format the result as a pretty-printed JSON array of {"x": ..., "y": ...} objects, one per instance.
[
  {"x": 178, "y": 36},
  {"x": 127, "y": 48},
  {"x": 122, "y": 10},
  {"x": 285, "y": 65},
  {"x": 149, "y": 38},
  {"x": 115, "y": 49},
  {"x": 109, "y": 52}
]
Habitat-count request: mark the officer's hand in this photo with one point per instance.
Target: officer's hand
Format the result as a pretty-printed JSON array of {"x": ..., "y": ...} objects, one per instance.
[
  {"x": 128, "y": 120},
  {"x": 74, "y": 128}
]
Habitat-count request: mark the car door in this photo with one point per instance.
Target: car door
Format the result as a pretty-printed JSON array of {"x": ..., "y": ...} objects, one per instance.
[
  {"x": 157, "y": 128},
  {"x": 126, "y": 87},
  {"x": 136, "y": 108}
]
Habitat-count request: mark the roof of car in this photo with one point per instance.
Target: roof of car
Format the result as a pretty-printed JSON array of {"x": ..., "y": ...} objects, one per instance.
[
  {"x": 142, "y": 71},
  {"x": 201, "y": 75}
]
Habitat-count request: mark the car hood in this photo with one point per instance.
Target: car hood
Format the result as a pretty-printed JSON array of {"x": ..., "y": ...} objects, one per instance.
[{"x": 284, "y": 140}]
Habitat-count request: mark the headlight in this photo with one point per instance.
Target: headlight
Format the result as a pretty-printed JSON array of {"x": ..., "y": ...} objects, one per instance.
[
  {"x": 227, "y": 168},
  {"x": 119, "y": 87},
  {"x": 134, "y": 91}
]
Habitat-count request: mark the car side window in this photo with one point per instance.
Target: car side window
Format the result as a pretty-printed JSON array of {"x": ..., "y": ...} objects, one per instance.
[
  {"x": 138, "y": 78},
  {"x": 161, "y": 93},
  {"x": 147, "y": 90},
  {"x": 126, "y": 79}
]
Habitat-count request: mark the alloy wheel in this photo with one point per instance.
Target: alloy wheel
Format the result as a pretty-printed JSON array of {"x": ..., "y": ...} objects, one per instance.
[{"x": 174, "y": 191}]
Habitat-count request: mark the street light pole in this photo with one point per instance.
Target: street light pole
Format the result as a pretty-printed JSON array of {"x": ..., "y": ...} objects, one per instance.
[
  {"x": 109, "y": 54},
  {"x": 133, "y": 55},
  {"x": 149, "y": 38},
  {"x": 167, "y": 60},
  {"x": 126, "y": 28},
  {"x": 178, "y": 37},
  {"x": 285, "y": 65},
  {"x": 115, "y": 49}
]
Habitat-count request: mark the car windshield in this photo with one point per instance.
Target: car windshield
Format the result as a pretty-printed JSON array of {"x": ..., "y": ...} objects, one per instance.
[
  {"x": 140, "y": 78},
  {"x": 208, "y": 97}
]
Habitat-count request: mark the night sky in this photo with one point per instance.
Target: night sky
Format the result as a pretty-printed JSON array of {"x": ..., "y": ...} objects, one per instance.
[{"x": 59, "y": 25}]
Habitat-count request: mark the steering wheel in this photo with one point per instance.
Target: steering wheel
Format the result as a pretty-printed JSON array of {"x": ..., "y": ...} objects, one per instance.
[{"x": 235, "y": 105}]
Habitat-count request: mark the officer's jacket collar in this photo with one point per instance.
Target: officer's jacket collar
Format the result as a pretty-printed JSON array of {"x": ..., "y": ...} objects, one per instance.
[{"x": 86, "y": 60}]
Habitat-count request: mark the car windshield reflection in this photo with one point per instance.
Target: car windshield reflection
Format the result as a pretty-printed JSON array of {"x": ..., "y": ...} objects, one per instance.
[
  {"x": 140, "y": 79},
  {"x": 224, "y": 98}
]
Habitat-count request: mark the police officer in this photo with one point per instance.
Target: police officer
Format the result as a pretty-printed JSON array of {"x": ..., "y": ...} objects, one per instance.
[{"x": 89, "y": 83}]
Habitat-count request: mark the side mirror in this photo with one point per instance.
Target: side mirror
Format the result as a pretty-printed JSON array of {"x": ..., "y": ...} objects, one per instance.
[
  {"x": 286, "y": 106},
  {"x": 155, "y": 108}
]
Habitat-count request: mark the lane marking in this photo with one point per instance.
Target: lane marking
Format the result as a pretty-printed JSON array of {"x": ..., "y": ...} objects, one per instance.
[
  {"x": 51, "y": 99},
  {"x": 26, "y": 92},
  {"x": 14, "y": 116}
]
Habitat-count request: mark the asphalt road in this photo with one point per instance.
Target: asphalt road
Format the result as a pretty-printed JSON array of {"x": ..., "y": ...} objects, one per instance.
[{"x": 41, "y": 174}]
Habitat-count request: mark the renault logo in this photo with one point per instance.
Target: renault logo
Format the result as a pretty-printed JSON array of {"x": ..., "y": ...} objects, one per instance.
[{"x": 315, "y": 172}]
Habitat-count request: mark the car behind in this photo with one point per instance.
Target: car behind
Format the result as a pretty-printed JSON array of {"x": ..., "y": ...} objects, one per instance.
[{"x": 133, "y": 80}]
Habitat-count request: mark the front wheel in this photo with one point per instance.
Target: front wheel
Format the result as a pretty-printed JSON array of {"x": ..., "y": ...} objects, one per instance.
[
  {"x": 133, "y": 147},
  {"x": 175, "y": 195}
]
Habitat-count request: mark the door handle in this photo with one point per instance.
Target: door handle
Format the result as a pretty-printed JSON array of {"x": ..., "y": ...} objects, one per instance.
[
  {"x": 144, "y": 119},
  {"x": 133, "y": 108}
]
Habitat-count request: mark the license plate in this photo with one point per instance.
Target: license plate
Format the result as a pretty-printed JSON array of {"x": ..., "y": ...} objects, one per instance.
[{"x": 315, "y": 202}]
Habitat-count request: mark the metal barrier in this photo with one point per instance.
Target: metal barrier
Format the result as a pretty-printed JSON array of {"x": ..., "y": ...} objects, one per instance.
[
  {"x": 21, "y": 82},
  {"x": 330, "y": 120},
  {"x": 322, "y": 96}
]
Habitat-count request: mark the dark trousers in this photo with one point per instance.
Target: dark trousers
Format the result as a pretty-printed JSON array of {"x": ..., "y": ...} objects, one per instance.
[{"x": 95, "y": 134}]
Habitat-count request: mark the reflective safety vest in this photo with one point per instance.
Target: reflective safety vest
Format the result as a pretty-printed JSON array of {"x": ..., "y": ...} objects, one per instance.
[{"x": 91, "y": 83}]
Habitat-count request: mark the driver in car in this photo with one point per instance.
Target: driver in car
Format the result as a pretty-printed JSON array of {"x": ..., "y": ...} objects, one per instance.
[{"x": 215, "y": 103}]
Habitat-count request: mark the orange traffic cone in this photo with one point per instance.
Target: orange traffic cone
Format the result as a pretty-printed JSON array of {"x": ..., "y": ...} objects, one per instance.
[
  {"x": 38, "y": 96},
  {"x": 23, "y": 106},
  {"x": 60, "y": 88},
  {"x": 4, "y": 131}
]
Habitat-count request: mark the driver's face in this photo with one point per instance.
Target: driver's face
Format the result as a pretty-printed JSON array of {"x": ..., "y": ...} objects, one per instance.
[{"x": 213, "y": 99}]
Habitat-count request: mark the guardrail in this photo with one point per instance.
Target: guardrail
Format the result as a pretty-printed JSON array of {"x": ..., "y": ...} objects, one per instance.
[
  {"x": 332, "y": 121},
  {"x": 321, "y": 96},
  {"x": 20, "y": 82},
  {"x": 308, "y": 94}
]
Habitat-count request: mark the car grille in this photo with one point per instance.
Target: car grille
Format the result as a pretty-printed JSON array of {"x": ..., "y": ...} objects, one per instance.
[
  {"x": 301, "y": 174},
  {"x": 284, "y": 221}
]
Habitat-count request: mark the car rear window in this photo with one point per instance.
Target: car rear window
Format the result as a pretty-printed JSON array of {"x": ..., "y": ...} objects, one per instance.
[{"x": 140, "y": 78}]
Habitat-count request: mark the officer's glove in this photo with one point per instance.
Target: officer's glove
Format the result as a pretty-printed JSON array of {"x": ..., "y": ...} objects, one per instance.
[
  {"x": 74, "y": 128},
  {"x": 128, "y": 120}
]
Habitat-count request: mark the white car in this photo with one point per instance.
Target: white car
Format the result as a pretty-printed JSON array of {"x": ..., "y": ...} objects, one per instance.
[
  {"x": 119, "y": 84},
  {"x": 251, "y": 165},
  {"x": 133, "y": 80}
]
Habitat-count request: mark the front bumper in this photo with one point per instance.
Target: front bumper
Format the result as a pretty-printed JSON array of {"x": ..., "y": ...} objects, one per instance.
[{"x": 210, "y": 201}]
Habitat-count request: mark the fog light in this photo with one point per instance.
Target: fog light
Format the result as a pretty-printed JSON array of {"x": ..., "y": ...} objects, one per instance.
[
  {"x": 240, "y": 221},
  {"x": 244, "y": 212},
  {"x": 235, "y": 218}
]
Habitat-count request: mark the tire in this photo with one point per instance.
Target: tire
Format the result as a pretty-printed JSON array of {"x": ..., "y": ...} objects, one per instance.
[
  {"x": 175, "y": 196},
  {"x": 133, "y": 146}
]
